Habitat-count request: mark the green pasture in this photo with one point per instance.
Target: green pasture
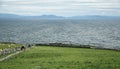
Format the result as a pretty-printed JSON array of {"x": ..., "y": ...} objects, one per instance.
[{"x": 44, "y": 57}]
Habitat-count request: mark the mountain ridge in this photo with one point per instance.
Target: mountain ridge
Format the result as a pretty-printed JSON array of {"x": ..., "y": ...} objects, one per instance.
[{"x": 58, "y": 17}]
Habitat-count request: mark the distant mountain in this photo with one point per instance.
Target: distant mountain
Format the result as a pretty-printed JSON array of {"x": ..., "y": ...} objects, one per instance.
[
  {"x": 13, "y": 16},
  {"x": 95, "y": 17},
  {"x": 49, "y": 16},
  {"x": 27, "y": 17},
  {"x": 8, "y": 16}
]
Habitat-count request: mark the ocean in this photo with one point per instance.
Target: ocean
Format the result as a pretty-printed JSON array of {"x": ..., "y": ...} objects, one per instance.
[{"x": 102, "y": 33}]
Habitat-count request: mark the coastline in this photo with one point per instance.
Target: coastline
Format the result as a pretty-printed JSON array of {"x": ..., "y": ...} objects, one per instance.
[{"x": 66, "y": 45}]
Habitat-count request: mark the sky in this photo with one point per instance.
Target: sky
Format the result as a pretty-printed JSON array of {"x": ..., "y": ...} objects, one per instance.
[{"x": 61, "y": 7}]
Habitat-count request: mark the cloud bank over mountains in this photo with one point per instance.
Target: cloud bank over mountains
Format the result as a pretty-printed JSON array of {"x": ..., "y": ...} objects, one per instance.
[{"x": 61, "y": 7}]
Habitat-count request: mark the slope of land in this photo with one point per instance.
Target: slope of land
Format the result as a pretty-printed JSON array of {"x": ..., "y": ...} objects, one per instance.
[{"x": 63, "y": 58}]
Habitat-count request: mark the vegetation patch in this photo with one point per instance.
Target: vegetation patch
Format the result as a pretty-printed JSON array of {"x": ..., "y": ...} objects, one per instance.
[
  {"x": 3, "y": 46},
  {"x": 63, "y": 58}
]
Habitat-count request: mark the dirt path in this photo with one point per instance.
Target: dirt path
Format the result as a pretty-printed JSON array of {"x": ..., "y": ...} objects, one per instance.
[
  {"x": 4, "y": 58},
  {"x": 8, "y": 56}
]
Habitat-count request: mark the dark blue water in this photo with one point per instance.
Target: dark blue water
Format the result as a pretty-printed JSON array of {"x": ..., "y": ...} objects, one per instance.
[{"x": 93, "y": 32}]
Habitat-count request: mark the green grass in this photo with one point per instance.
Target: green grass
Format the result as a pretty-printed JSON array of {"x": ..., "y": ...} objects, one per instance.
[
  {"x": 63, "y": 58},
  {"x": 3, "y": 46}
]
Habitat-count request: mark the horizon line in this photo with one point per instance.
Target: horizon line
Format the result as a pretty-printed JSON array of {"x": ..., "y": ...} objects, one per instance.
[{"x": 60, "y": 15}]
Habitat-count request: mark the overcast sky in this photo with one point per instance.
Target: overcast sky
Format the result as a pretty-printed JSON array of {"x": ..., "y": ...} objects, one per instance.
[{"x": 61, "y": 7}]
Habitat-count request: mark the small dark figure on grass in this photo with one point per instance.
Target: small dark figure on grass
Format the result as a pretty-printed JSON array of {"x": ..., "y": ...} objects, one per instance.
[
  {"x": 23, "y": 48},
  {"x": 29, "y": 46}
]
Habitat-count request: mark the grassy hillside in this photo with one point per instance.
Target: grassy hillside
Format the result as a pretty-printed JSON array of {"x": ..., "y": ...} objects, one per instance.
[{"x": 63, "y": 58}]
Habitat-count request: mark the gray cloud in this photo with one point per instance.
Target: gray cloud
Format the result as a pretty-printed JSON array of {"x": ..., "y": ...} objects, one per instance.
[{"x": 61, "y": 7}]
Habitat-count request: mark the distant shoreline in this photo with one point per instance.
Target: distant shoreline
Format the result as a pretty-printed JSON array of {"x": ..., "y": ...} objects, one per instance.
[{"x": 65, "y": 45}]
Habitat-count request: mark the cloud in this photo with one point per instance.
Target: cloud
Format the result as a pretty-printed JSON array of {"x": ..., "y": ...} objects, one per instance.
[{"x": 61, "y": 7}]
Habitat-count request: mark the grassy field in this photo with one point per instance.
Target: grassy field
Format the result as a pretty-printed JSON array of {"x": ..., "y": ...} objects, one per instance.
[{"x": 63, "y": 58}]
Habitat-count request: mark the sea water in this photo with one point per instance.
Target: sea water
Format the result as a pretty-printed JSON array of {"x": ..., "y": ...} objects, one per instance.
[{"x": 88, "y": 32}]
